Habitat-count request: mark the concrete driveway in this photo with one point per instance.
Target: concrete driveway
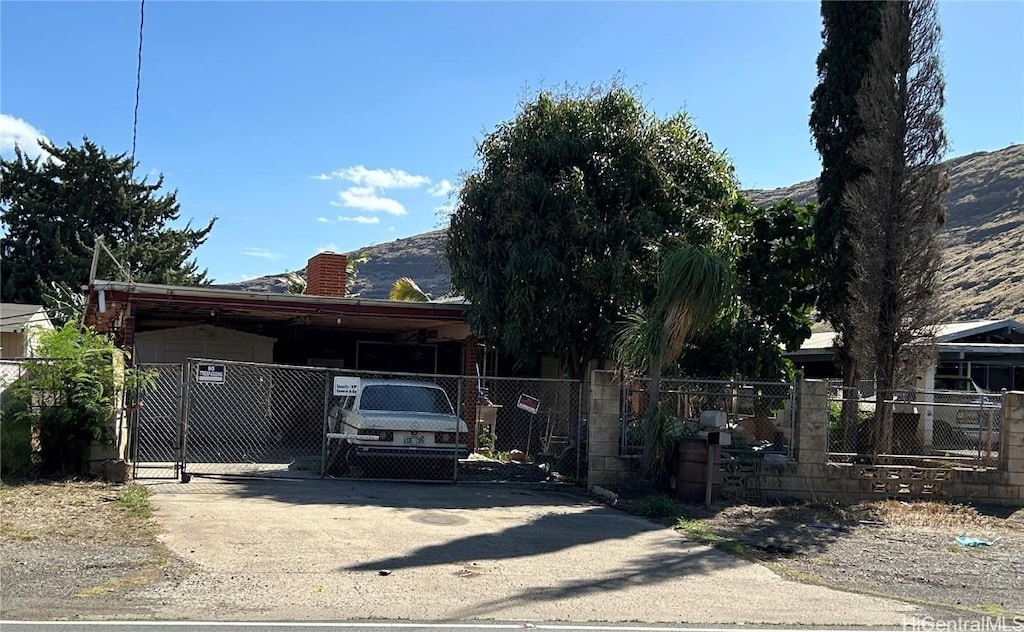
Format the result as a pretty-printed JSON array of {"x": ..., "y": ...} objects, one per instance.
[{"x": 360, "y": 550}]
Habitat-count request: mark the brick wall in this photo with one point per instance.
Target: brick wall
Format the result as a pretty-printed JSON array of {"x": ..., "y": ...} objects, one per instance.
[
  {"x": 326, "y": 274},
  {"x": 810, "y": 476}
]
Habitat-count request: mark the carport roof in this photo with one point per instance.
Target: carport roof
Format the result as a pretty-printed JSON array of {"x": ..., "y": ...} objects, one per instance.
[{"x": 160, "y": 304}]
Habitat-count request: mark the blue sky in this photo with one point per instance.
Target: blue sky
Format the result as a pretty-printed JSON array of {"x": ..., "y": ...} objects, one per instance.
[{"x": 335, "y": 125}]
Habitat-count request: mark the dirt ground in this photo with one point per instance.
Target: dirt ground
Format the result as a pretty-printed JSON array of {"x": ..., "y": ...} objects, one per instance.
[
  {"x": 896, "y": 549},
  {"x": 79, "y": 548}
]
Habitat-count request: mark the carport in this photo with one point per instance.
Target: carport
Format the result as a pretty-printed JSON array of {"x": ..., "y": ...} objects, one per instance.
[{"x": 275, "y": 355}]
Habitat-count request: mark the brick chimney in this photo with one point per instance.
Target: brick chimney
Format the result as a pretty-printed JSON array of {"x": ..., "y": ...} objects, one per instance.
[{"x": 325, "y": 274}]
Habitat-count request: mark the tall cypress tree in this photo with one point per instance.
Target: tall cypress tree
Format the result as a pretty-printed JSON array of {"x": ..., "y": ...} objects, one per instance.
[
  {"x": 52, "y": 208},
  {"x": 849, "y": 31}
]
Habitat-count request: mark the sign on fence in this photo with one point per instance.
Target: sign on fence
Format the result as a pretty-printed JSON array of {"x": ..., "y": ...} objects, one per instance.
[
  {"x": 210, "y": 373},
  {"x": 345, "y": 386},
  {"x": 528, "y": 403}
]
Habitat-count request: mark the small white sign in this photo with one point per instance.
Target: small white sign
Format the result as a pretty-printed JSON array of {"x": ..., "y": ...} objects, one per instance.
[
  {"x": 211, "y": 373},
  {"x": 345, "y": 386},
  {"x": 528, "y": 403}
]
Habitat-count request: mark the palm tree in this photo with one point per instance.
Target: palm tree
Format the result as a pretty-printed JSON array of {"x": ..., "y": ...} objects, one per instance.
[
  {"x": 694, "y": 285},
  {"x": 405, "y": 289}
]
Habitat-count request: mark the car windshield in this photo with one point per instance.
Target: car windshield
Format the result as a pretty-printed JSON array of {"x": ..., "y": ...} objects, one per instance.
[
  {"x": 961, "y": 384},
  {"x": 405, "y": 398}
]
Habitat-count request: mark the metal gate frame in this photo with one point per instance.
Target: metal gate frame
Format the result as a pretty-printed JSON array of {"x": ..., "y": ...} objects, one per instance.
[
  {"x": 228, "y": 416},
  {"x": 138, "y": 433}
]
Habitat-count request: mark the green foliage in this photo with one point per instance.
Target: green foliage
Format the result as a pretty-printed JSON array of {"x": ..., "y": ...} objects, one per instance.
[
  {"x": 850, "y": 31},
  {"x": 558, "y": 234},
  {"x": 656, "y": 506},
  {"x": 134, "y": 499},
  {"x": 662, "y": 433},
  {"x": 15, "y": 435},
  {"x": 352, "y": 264},
  {"x": 693, "y": 286},
  {"x": 405, "y": 289},
  {"x": 775, "y": 286},
  {"x": 72, "y": 396},
  {"x": 53, "y": 209}
]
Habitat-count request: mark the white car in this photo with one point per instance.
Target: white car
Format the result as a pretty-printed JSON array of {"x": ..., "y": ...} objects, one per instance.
[
  {"x": 394, "y": 419},
  {"x": 965, "y": 413}
]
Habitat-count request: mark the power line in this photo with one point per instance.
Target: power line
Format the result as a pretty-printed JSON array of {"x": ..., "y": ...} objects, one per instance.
[{"x": 138, "y": 80}]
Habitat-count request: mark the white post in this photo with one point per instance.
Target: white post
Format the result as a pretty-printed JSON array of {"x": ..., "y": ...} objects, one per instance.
[{"x": 928, "y": 414}]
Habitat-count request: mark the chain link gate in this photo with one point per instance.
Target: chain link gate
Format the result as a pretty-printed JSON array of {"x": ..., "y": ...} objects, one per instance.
[
  {"x": 217, "y": 417},
  {"x": 253, "y": 419},
  {"x": 156, "y": 423}
]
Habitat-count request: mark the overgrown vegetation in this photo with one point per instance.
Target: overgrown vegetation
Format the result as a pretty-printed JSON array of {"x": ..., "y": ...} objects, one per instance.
[
  {"x": 65, "y": 402},
  {"x": 655, "y": 506}
]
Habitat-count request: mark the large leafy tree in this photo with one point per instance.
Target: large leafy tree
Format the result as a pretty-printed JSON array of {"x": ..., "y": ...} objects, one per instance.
[
  {"x": 775, "y": 292},
  {"x": 849, "y": 32},
  {"x": 559, "y": 232},
  {"x": 53, "y": 208}
]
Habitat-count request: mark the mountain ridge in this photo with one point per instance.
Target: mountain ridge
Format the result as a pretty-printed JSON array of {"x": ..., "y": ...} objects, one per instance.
[{"x": 981, "y": 276}]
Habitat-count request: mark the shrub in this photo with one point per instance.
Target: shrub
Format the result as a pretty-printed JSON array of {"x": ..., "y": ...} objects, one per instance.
[{"x": 73, "y": 392}]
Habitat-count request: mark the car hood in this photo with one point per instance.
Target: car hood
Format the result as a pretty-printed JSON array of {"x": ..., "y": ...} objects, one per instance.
[{"x": 400, "y": 420}]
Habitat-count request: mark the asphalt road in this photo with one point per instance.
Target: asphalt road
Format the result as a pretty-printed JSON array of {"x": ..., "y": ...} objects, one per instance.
[{"x": 219, "y": 626}]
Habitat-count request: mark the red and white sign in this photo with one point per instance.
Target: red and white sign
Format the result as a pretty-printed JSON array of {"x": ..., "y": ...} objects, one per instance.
[{"x": 528, "y": 403}]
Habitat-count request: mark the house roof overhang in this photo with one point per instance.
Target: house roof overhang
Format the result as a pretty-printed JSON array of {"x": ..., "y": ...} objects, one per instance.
[{"x": 157, "y": 306}]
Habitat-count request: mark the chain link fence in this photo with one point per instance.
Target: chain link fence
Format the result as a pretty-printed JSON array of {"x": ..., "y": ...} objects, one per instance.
[
  {"x": 24, "y": 394},
  {"x": 255, "y": 419},
  {"x": 525, "y": 429},
  {"x": 156, "y": 431},
  {"x": 221, "y": 418},
  {"x": 758, "y": 416},
  {"x": 937, "y": 428}
]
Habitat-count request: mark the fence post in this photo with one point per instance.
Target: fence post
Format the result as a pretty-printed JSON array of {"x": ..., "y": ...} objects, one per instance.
[
  {"x": 604, "y": 466},
  {"x": 812, "y": 421},
  {"x": 1011, "y": 441}
]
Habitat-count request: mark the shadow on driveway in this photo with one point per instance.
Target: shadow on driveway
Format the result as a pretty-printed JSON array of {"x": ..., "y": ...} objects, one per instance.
[{"x": 408, "y": 495}]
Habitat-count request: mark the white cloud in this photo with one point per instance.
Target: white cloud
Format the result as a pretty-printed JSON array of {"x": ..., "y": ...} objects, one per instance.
[
  {"x": 331, "y": 247},
  {"x": 322, "y": 176},
  {"x": 441, "y": 189},
  {"x": 18, "y": 132},
  {"x": 360, "y": 219},
  {"x": 369, "y": 199},
  {"x": 380, "y": 178},
  {"x": 324, "y": 220},
  {"x": 261, "y": 253},
  {"x": 445, "y": 209}
]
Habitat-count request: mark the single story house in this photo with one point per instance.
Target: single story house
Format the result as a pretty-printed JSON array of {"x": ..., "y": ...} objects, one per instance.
[
  {"x": 989, "y": 351},
  {"x": 322, "y": 327},
  {"x": 19, "y": 329}
]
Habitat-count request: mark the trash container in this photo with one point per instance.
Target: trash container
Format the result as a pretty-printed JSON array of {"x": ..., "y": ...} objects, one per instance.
[{"x": 692, "y": 470}]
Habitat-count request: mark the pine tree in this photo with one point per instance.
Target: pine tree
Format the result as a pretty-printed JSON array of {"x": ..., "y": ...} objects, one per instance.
[{"x": 53, "y": 207}]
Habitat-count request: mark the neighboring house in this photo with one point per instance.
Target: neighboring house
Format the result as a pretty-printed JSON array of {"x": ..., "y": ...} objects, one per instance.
[
  {"x": 989, "y": 351},
  {"x": 19, "y": 329}
]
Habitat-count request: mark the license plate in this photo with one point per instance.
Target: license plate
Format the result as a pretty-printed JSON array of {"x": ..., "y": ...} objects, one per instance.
[{"x": 414, "y": 440}]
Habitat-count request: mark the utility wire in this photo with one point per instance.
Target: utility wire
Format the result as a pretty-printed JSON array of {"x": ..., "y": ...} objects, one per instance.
[{"x": 138, "y": 81}]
